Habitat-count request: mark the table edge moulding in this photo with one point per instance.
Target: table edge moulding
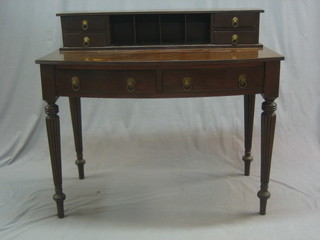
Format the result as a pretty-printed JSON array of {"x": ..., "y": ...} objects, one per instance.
[{"x": 161, "y": 54}]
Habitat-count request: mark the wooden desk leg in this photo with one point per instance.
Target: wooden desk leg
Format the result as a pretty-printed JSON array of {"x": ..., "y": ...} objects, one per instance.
[
  {"x": 249, "y": 103},
  {"x": 53, "y": 130},
  {"x": 268, "y": 123},
  {"x": 75, "y": 109}
]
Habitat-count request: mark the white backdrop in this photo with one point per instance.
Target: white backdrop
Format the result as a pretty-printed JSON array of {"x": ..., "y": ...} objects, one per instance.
[{"x": 159, "y": 169}]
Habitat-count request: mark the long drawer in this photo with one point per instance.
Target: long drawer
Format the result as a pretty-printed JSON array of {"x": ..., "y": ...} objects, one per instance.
[
  {"x": 213, "y": 80},
  {"x": 73, "y": 82}
]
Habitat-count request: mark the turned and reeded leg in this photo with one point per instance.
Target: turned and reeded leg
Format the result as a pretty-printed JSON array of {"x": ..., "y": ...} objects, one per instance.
[
  {"x": 53, "y": 130},
  {"x": 249, "y": 103},
  {"x": 268, "y": 123},
  {"x": 75, "y": 108}
]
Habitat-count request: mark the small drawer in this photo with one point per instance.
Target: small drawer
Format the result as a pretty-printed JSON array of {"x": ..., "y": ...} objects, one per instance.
[
  {"x": 91, "y": 83},
  {"x": 236, "y": 20},
  {"x": 85, "y": 40},
  {"x": 74, "y": 24},
  {"x": 235, "y": 38},
  {"x": 213, "y": 80}
]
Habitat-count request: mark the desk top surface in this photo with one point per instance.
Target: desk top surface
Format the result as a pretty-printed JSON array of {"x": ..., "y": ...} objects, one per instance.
[
  {"x": 164, "y": 11},
  {"x": 159, "y": 56}
]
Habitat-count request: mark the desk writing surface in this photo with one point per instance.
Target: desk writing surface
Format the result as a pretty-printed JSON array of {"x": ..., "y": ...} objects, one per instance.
[
  {"x": 207, "y": 55},
  {"x": 166, "y": 11}
]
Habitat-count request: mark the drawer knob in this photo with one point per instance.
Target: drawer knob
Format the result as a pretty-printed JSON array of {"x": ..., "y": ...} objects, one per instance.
[
  {"x": 85, "y": 24},
  {"x": 75, "y": 83},
  {"x": 235, "y": 22},
  {"x": 86, "y": 42},
  {"x": 131, "y": 84},
  {"x": 235, "y": 39},
  {"x": 186, "y": 83},
  {"x": 242, "y": 81}
]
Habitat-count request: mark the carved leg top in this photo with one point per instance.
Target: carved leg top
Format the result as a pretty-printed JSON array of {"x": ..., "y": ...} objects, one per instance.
[
  {"x": 269, "y": 106},
  {"x": 52, "y": 110}
]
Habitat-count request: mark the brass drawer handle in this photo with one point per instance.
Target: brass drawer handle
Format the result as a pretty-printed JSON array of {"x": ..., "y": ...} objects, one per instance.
[
  {"x": 235, "y": 39},
  {"x": 242, "y": 81},
  {"x": 131, "y": 84},
  {"x": 75, "y": 83},
  {"x": 86, "y": 42},
  {"x": 85, "y": 24},
  {"x": 186, "y": 83},
  {"x": 235, "y": 22}
]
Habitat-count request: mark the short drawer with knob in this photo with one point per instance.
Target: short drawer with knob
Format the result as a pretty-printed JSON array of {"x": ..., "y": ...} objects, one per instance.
[
  {"x": 214, "y": 80},
  {"x": 85, "y": 40},
  {"x": 104, "y": 82},
  {"x": 235, "y": 38}
]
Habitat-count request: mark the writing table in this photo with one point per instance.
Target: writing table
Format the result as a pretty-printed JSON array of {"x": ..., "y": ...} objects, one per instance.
[
  {"x": 166, "y": 54},
  {"x": 161, "y": 73}
]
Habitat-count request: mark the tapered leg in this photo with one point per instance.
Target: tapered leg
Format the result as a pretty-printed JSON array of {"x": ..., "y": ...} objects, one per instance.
[
  {"x": 53, "y": 130},
  {"x": 75, "y": 109},
  {"x": 268, "y": 123},
  {"x": 249, "y": 103}
]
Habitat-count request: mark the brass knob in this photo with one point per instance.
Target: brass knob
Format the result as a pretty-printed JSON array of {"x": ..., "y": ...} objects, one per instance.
[
  {"x": 235, "y": 39},
  {"x": 131, "y": 84},
  {"x": 85, "y": 24},
  {"x": 186, "y": 83},
  {"x": 242, "y": 81},
  {"x": 235, "y": 22},
  {"x": 86, "y": 42},
  {"x": 75, "y": 83}
]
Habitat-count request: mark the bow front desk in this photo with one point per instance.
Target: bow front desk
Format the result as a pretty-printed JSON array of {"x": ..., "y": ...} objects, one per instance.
[{"x": 159, "y": 70}]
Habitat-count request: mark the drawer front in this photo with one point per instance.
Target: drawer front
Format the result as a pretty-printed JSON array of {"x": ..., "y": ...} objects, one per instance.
[
  {"x": 235, "y": 38},
  {"x": 85, "y": 40},
  {"x": 213, "y": 80},
  {"x": 75, "y": 24},
  {"x": 236, "y": 20},
  {"x": 89, "y": 83}
]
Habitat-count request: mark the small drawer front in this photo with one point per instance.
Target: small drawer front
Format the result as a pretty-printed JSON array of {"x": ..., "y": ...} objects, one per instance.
[
  {"x": 236, "y": 20},
  {"x": 85, "y": 40},
  {"x": 70, "y": 82},
  {"x": 213, "y": 80},
  {"x": 235, "y": 38},
  {"x": 74, "y": 24}
]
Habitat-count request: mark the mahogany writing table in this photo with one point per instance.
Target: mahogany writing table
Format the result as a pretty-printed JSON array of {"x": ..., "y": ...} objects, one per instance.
[
  {"x": 161, "y": 73},
  {"x": 166, "y": 54}
]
